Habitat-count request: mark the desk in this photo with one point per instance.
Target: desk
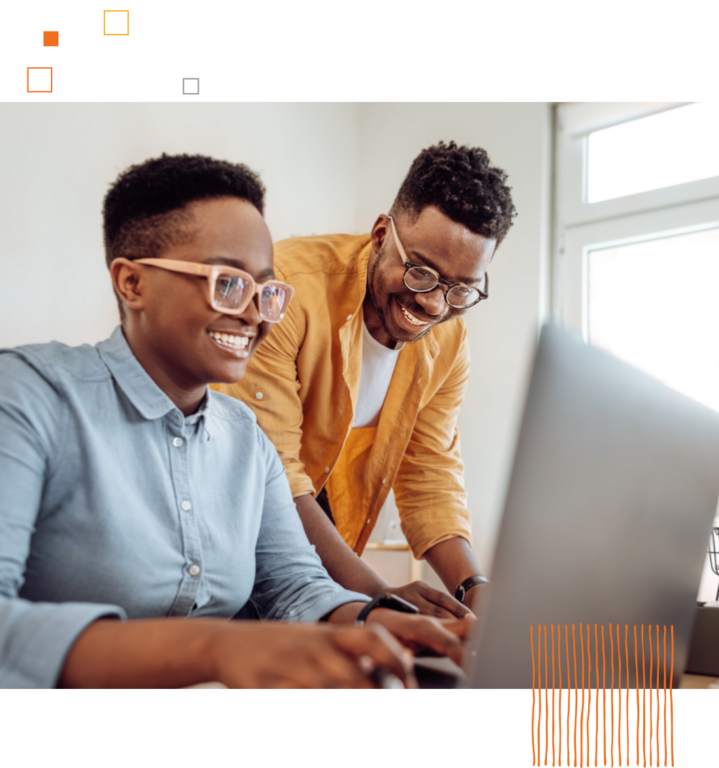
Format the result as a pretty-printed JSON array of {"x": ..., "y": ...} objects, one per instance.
[
  {"x": 693, "y": 682},
  {"x": 689, "y": 682}
]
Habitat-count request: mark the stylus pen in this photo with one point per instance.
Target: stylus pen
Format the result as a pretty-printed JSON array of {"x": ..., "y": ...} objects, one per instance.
[{"x": 383, "y": 678}]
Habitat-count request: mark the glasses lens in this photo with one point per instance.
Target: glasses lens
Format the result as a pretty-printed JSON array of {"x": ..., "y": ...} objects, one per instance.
[
  {"x": 230, "y": 291},
  {"x": 419, "y": 279},
  {"x": 462, "y": 296},
  {"x": 272, "y": 301}
]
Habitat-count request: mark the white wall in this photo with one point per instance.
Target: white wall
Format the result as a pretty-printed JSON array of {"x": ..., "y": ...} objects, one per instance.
[
  {"x": 502, "y": 331},
  {"x": 57, "y": 161}
]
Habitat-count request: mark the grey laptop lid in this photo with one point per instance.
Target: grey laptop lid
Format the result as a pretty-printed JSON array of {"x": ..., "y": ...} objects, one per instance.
[{"x": 607, "y": 517}]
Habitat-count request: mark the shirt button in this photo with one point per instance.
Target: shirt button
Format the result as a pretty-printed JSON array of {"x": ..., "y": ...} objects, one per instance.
[
  {"x": 178, "y": 442},
  {"x": 368, "y": 521},
  {"x": 349, "y": 317},
  {"x": 194, "y": 570},
  {"x": 384, "y": 480},
  {"x": 259, "y": 395},
  {"x": 327, "y": 469},
  {"x": 186, "y": 505}
]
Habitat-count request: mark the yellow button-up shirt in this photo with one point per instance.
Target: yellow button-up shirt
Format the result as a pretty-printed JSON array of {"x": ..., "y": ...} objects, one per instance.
[{"x": 303, "y": 383}]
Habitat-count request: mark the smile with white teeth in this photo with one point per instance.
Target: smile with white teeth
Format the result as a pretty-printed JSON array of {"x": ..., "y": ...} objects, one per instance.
[
  {"x": 230, "y": 340},
  {"x": 411, "y": 318}
]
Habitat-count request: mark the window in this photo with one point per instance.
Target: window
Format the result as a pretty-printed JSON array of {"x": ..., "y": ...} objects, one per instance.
[
  {"x": 654, "y": 304},
  {"x": 637, "y": 247},
  {"x": 662, "y": 150},
  {"x": 635, "y": 265}
]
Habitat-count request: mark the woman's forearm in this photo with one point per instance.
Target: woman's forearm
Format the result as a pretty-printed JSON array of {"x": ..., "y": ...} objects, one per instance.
[
  {"x": 141, "y": 653},
  {"x": 175, "y": 652}
]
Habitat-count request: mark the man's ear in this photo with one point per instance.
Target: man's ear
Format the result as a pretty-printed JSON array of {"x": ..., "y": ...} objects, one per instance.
[
  {"x": 127, "y": 282},
  {"x": 379, "y": 232}
]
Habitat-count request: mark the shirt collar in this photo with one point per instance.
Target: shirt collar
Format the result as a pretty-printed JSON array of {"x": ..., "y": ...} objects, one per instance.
[
  {"x": 203, "y": 410},
  {"x": 363, "y": 267},
  {"x": 135, "y": 382}
]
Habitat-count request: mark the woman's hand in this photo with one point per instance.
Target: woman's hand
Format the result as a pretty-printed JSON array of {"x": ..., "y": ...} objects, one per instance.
[
  {"x": 175, "y": 653},
  {"x": 279, "y": 655}
]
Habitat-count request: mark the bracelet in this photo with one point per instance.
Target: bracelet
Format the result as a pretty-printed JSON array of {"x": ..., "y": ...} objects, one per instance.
[
  {"x": 385, "y": 601},
  {"x": 466, "y": 585}
]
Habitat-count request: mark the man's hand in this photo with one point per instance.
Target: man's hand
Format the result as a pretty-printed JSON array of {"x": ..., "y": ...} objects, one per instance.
[
  {"x": 422, "y": 633},
  {"x": 431, "y": 601}
]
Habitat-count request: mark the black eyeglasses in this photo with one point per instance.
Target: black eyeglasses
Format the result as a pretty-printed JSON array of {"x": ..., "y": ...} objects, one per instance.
[{"x": 422, "y": 279}]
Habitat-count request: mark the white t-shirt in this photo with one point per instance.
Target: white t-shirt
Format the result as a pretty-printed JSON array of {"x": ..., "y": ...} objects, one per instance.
[{"x": 378, "y": 364}]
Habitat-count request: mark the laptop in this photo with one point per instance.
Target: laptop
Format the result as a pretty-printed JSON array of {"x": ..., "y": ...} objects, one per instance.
[{"x": 608, "y": 512}]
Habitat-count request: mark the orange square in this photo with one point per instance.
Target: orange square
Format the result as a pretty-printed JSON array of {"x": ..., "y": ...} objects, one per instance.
[
  {"x": 27, "y": 79},
  {"x": 50, "y": 39}
]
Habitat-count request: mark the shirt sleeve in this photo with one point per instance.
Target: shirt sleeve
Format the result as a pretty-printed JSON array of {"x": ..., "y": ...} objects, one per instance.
[
  {"x": 429, "y": 487},
  {"x": 290, "y": 582},
  {"x": 34, "y": 637},
  {"x": 271, "y": 388}
]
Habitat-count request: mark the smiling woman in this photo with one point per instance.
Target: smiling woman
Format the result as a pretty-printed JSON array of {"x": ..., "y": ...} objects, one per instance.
[
  {"x": 169, "y": 320},
  {"x": 130, "y": 491}
]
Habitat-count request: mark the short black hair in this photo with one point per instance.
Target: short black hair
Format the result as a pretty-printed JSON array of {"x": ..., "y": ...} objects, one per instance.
[
  {"x": 460, "y": 182},
  {"x": 145, "y": 210}
]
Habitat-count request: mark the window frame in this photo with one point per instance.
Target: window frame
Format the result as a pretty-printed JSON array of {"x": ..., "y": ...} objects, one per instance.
[{"x": 580, "y": 227}]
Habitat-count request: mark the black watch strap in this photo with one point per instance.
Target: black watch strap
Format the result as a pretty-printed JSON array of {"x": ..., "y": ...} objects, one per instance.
[
  {"x": 466, "y": 585},
  {"x": 385, "y": 601}
]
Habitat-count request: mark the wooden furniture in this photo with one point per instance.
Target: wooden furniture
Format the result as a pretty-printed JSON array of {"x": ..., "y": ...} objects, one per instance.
[{"x": 415, "y": 566}]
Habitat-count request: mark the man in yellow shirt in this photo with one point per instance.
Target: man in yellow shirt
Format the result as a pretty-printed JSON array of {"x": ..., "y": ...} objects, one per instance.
[{"x": 360, "y": 385}]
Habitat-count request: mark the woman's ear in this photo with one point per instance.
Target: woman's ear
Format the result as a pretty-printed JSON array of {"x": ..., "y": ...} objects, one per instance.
[{"x": 128, "y": 284}]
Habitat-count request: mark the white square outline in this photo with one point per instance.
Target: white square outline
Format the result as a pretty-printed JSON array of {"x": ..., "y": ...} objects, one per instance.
[{"x": 190, "y": 93}]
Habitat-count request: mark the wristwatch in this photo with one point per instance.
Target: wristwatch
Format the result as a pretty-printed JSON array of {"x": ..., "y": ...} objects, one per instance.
[
  {"x": 392, "y": 602},
  {"x": 466, "y": 585}
]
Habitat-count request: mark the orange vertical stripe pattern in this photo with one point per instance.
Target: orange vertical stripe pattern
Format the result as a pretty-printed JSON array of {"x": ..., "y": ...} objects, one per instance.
[{"x": 657, "y": 657}]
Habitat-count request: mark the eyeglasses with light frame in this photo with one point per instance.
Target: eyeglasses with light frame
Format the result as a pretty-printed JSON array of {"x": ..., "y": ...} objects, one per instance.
[{"x": 231, "y": 290}]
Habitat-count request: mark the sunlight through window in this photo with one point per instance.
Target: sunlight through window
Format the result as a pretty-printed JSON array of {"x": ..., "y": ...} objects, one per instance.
[
  {"x": 654, "y": 304},
  {"x": 662, "y": 150}
]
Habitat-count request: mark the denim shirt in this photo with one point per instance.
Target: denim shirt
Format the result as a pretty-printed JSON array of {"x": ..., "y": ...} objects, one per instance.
[{"x": 112, "y": 503}]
